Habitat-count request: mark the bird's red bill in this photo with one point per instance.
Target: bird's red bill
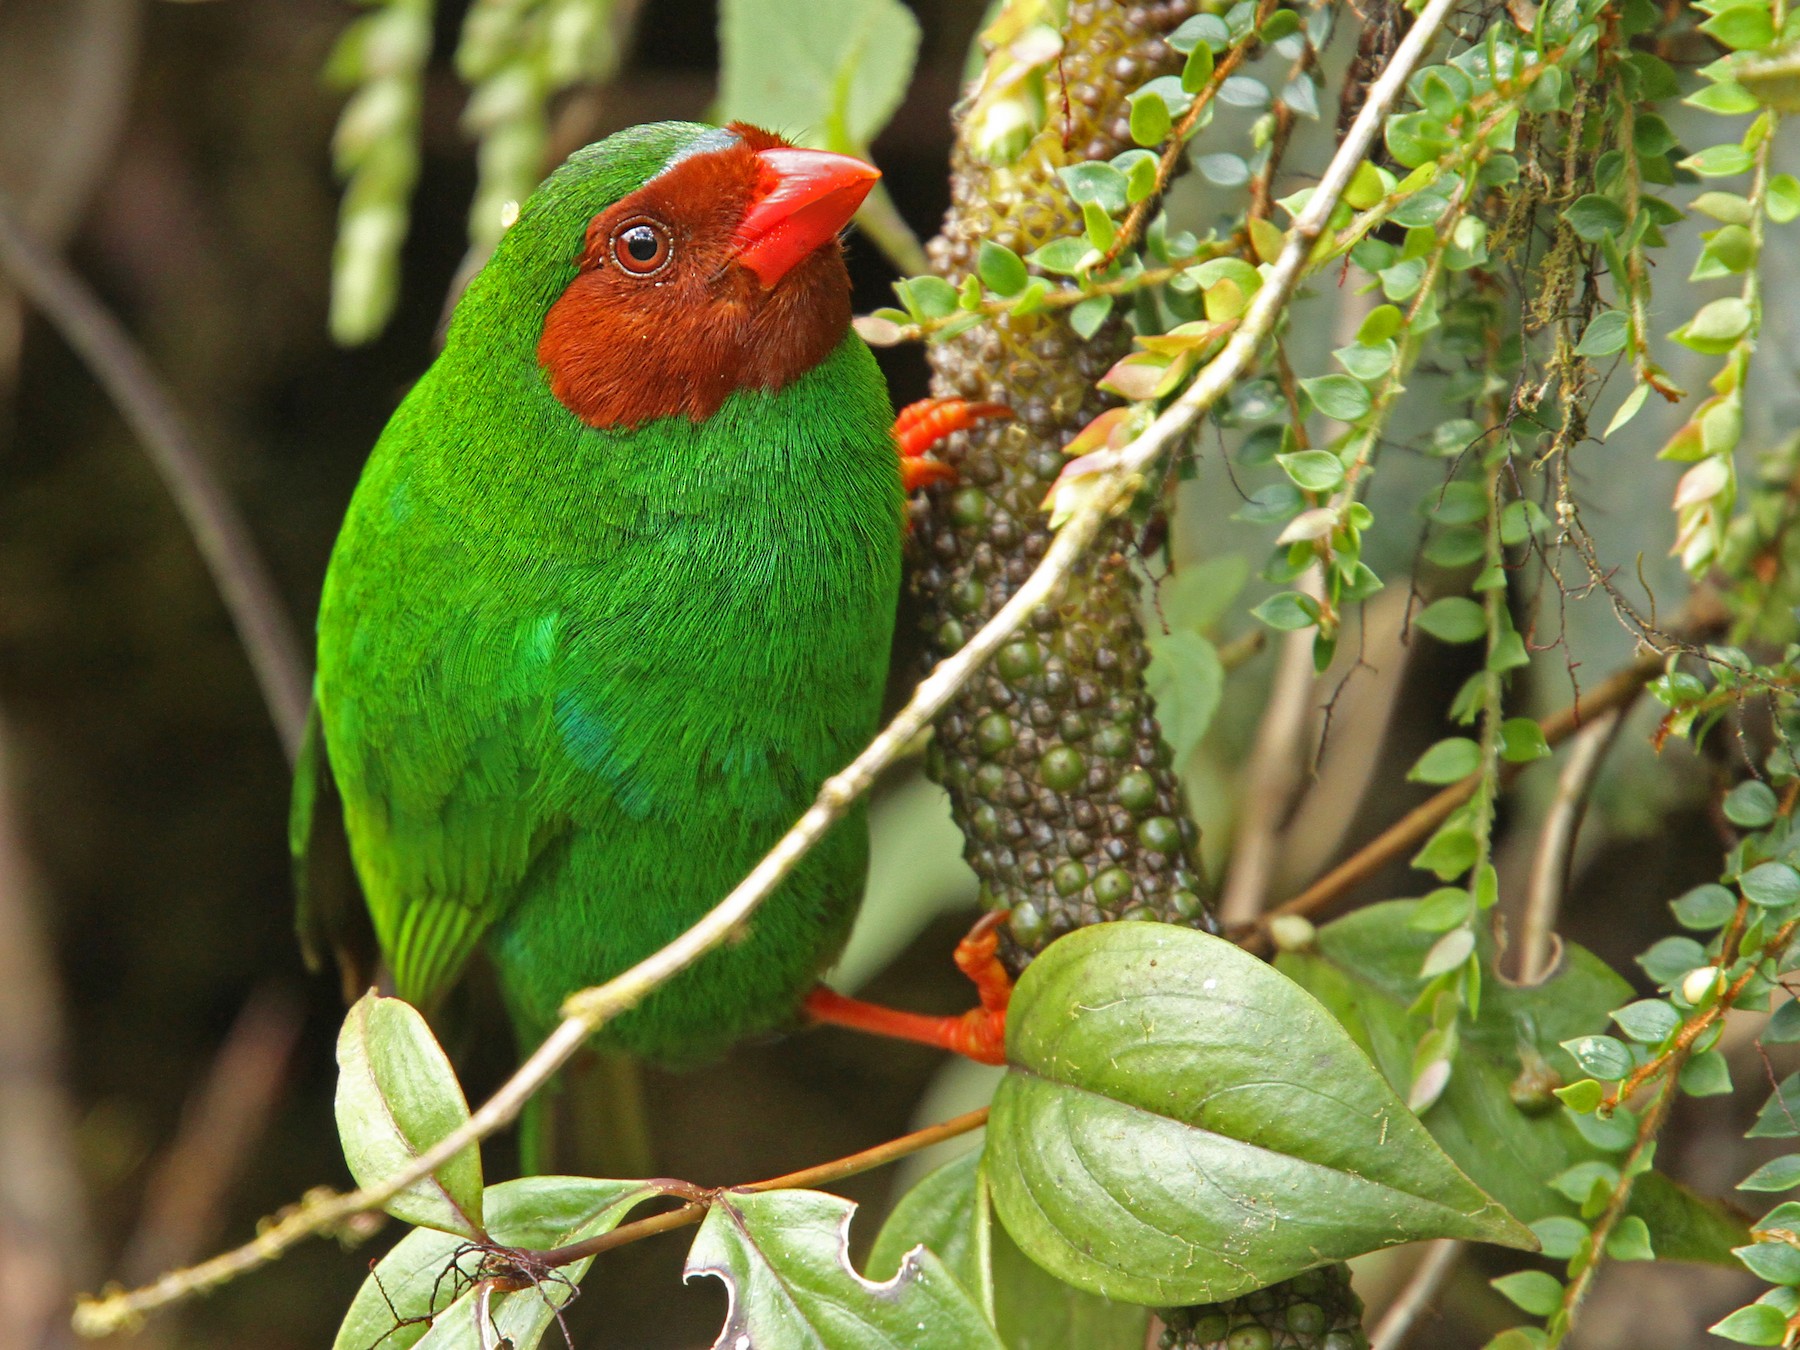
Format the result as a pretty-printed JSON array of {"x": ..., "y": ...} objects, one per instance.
[{"x": 804, "y": 197}]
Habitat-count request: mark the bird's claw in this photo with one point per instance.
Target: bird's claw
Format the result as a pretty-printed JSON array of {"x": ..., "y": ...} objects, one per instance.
[{"x": 919, "y": 428}]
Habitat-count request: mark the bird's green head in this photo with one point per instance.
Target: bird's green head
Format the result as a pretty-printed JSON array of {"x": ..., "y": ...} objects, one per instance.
[{"x": 664, "y": 268}]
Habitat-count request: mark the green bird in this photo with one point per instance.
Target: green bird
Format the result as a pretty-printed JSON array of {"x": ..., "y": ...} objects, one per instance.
[{"x": 615, "y": 594}]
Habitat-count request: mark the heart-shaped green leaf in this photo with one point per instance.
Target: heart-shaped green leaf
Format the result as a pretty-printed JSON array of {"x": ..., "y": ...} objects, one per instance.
[
  {"x": 784, "y": 1257},
  {"x": 396, "y": 1097},
  {"x": 428, "y": 1273},
  {"x": 1183, "y": 1124}
]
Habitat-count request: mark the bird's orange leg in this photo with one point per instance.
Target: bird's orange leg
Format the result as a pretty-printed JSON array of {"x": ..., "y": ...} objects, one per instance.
[
  {"x": 921, "y": 425},
  {"x": 979, "y": 1033}
]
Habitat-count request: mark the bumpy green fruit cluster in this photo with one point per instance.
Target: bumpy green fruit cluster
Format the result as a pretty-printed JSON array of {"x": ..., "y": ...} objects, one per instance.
[
  {"x": 1057, "y": 770},
  {"x": 1314, "y": 1311},
  {"x": 1054, "y": 761}
]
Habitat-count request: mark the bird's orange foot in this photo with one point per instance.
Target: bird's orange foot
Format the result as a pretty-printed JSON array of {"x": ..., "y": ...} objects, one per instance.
[
  {"x": 979, "y": 1033},
  {"x": 920, "y": 426}
]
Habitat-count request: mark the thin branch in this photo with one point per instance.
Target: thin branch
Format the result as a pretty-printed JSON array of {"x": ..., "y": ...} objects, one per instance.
[
  {"x": 1416, "y": 824},
  {"x": 238, "y": 570},
  {"x": 822, "y": 1174},
  {"x": 1556, "y": 843},
  {"x": 1170, "y": 161},
  {"x": 1397, "y": 1322},
  {"x": 1112, "y": 485}
]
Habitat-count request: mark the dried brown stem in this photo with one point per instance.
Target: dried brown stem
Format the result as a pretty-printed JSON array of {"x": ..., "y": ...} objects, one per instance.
[{"x": 822, "y": 1174}]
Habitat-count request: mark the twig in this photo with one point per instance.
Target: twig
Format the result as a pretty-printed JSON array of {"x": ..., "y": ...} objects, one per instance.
[
  {"x": 1397, "y": 1322},
  {"x": 1112, "y": 485},
  {"x": 879, "y": 332},
  {"x": 1177, "y": 139},
  {"x": 823, "y": 1174},
  {"x": 1556, "y": 844},
  {"x": 1419, "y": 822},
  {"x": 238, "y": 570}
]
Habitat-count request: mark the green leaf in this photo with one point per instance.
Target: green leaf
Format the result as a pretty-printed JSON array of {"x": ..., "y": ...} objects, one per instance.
[
  {"x": 1096, "y": 182},
  {"x": 1456, "y": 547},
  {"x": 1772, "y": 885},
  {"x": 1741, "y": 27},
  {"x": 1448, "y": 761},
  {"x": 1181, "y": 1124},
  {"x": 1602, "y": 1057},
  {"x": 1288, "y": 611},
  {"x": 1778, "y": 1174},
  {"x": 1533, "y": 1291},
  {"x": 926, "y": 297},
  {"x": 397, "y": 1096},
  {"x": 1560, "y": 1236},
  {"x": 1605, "y": 335},
  {"x": 783, "y": 1256},
  {"x": 1086, "y": 317},
  {"x": 427, "y": 1271},
  {"x": 1759, "y": 1324},
  {"x": 1706, "y": 1075},
  {"x": 1670, "y": 958},
  {"x": 1593, "y": 217},
  {"x": 1776, "y": 1262},
  {"x": 1364, "y": 967},
  {"x": 1783, "y": 1027},
  {"x": 833, "y": 82},
  {"x": 1338, "y": 396},
  {"x": 1630, "y": 1241},
  {"x": 1783, "y": 198},
  {"x": 1454, "y": 619},
  {"x": 1186, "y": 680},
  {"x": 1062, "y": 256},
  {"x": 1719, "y": 161},
  {"x": 1522, "y": 740},
  {"x": 1649, "y": 1020},
  {"x": 1718, "y": 325},
  {"x": 1001, "y": 270},
  {"x": 1033, "y": 1310},
  {"x": 1705, "y": 908},
  {"x": 1750, "y": 805},
  {"x": 1313, "y": 470}
]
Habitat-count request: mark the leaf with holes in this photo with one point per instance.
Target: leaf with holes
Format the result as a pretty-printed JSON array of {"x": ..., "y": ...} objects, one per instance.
[
  {"x": 948, "y": 1212},
  {"x": 784, "y": 1258},
  {"x": 429, "y": 1273},
  {"x": 397, "y": 1096},
  {"x": 1182, "y": 1124}
]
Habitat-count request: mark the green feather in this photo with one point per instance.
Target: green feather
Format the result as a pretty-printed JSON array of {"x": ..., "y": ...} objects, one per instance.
[{"x": 575, "y": 682}]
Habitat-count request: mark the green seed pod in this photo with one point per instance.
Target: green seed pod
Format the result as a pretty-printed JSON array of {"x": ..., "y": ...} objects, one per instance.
[{"x": 1077, "y": 673}]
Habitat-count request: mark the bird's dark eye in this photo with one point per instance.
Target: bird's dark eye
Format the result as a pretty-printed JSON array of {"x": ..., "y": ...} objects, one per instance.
[{"x": 642, "y": 247}]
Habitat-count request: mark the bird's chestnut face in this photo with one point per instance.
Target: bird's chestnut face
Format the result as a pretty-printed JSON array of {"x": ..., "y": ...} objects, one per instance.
[{"x": 721, "y": 273}]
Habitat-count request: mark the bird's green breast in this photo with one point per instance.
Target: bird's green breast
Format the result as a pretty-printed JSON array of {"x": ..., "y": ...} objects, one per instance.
[{"x": 575, "y": 682}]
